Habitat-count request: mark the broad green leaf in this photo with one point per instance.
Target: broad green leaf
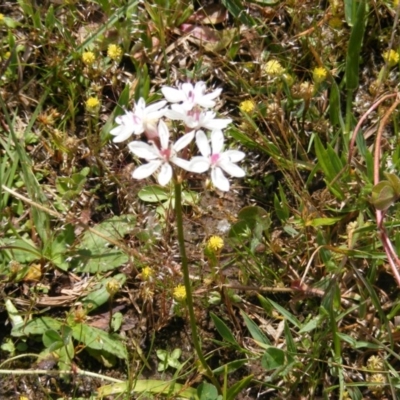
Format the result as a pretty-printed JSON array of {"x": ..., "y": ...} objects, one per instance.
[
  {"x": 154, "y": 194},
  {"x": 273, "y": 358},
  {"x": 95, "y": 254},
  {"x": 206, "y": 391},
  {"x": 395, "y": 182},
  {"x": 322, "y": 221},
  {"x": 37, "y": 326},
  {"x": 150, "y": 386},
  {"x": 99, "y": 295},
  {"x": 254, "y": 330},
  {"x": 383, "y": 195},
  {"x": 223, "y": 330},
  {"x": 99, "y": 340}
]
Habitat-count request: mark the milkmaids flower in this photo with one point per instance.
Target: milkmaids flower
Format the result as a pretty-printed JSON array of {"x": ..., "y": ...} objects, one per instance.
[
  {"x": 189, "y": 96},
  {"x": 142, "y": 119},
  {"x": 213, "y": 157},
  {"x": 196, "y": 119},
  {"x": 160, "y": 157}
]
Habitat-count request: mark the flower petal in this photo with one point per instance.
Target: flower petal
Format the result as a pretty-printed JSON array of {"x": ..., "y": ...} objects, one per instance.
[
  {"x": 163, "y": 133},
  {"x": 143, "y": 150},
  {"x": 181, "y": 163},
  {"x": 207, "y": 101},
  {"x": 165, "y": 174},
  {"x": 202, "y": 144},
  {"x": 146, "y": 170},
  {"x": 173, "y": 95},
  {"x": 219, "y": 179},
  {"x": 184, "y": 141},
  {"x": 217, "y": 141},
  {"x": 216, "y": 123},
  {"x": 234, "y": 155},
  {"x": 151, "y": 108},
  {"x": 121, "y": 133},
  {"x": 232, "y": 169},
  {"x": 174, "y": 114},
  {"x": 199, "y": 164}
]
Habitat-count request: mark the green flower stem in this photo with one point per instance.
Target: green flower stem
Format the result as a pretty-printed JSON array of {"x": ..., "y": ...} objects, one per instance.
[{"x": 186, "y": 279}]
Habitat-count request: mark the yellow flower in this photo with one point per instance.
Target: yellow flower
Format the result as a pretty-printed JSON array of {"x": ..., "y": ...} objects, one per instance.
[
  {"x": 274, "y": 68},
  {"x": 92, "y": 103},
  {"x": 112, "y": 287},
  {"x": 1, "y": 18},
  {"x": 375, "y": 363},
  {"x": 319, "y": 74},
  {"x": 147, "y": 273},
  {"x": 88, "y": 57},
  {"x": 215, "y": 243},
  {"x": 247, "y": 106},
  {"x": 391, "y": 57},
  {"x": 395, "y": 3},
  {"x": 114, "y": 52},
  {"x": 180, "y": 293}
]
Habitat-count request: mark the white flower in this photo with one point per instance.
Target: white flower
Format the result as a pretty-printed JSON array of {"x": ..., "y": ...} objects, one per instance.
[
  {"x": 140, "y": 120},
  {"x": 217, "y": 160},
  {"x": 190, "y": 95},
  {"x": 196, "y": 119},
  {"x": 160, "y": 157}
]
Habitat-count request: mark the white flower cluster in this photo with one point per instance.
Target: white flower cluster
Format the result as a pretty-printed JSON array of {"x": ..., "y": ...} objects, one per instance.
[{"x": 189, "y": 104}]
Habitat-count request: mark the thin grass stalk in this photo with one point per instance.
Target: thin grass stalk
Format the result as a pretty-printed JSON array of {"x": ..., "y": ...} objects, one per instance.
[
  {"x": 393, "y": 259},
  {"x": 186, "y": 279}
]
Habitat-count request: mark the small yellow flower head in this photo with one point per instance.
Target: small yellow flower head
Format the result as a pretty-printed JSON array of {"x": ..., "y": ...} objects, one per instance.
[
  {"x": 7, "y": 55},
  {"x": 247, "y": 106},
  {"x": 274, "y": 68},
  {"x": 379, "y": 381},
  {"x": 180, "y": 293},
  {"x": 112, "y": 287},
  {"x": 114, "y": 52},
  {"x": 375, "y": 363},
  {"x": 1, "y": 18},
  {"x": 335, "y": 23},
  {"x": 395, "y": 3},
  {"x": 147, "y": 273},
  {"x": 88, "y": 57},
  {"x": 92, "y": 103},
  {"x": 215, "y": 243},
  {"x": 319, "y": 74},
  {"x": 391, "y": 57}
]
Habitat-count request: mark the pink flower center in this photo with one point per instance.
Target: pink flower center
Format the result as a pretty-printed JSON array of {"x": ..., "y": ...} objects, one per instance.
[
  {"x": 215, "y": 158},
  {"x": 165, "y": 154},
  {"x": 136, "y": 119},
  {"x": 195, "y": 114}
]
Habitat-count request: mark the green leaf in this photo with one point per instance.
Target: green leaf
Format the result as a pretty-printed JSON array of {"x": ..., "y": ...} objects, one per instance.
[
  {"x": 223, "y": 330},
  {"x": 99, "y": 340},
  {"x": 235, "y": 7},
  {"x": 145, "y": 386},
  {"x": 383, "y": 195},
  {"x": 254, "y": 330},
  {"x": 290, "y": 317},
  {"x": 354, "y": 48},
  {"x": 100, "y": 295},
  {"x": 37, "y": 326},
  {"x": 273, "y": 358},
  {"x": 154, "y": 194},
  {"x": 206, "y": 391},
  {"x": 237, "y": 387},
  {"x": 323, "y": 221},
  {"x": 94, "y": 253}
]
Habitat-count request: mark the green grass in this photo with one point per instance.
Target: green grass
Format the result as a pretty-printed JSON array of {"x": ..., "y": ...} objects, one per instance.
[{"x": 301, "y": 301}]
